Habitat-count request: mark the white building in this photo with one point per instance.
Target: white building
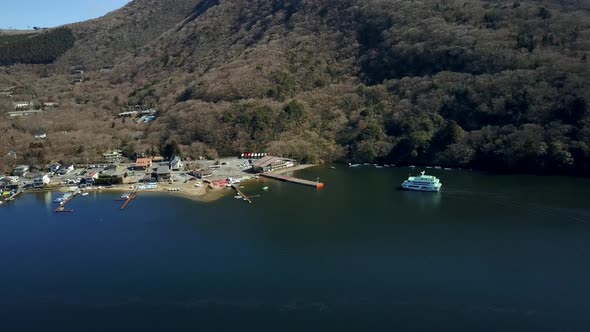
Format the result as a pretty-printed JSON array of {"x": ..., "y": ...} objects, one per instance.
[
  {"x": 112, "y": 156},
  {"x": 21, "y": 170},
  {"x": 50, "y": 104},
  {"x": 54, "y": 168},
  {"x": 9, "y": 182},
  {"x": 24, "y": 113},
  {"x": 65, "y": 169},
  {"x": 41, "y": 181},
  {"x": 176, "y": 164},
  {"x": 22, "y": 104}
]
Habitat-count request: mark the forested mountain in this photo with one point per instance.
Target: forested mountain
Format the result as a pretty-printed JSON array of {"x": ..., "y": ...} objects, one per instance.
[
  {"x": 498, "y": 85},
  {"x": 44, "y": 47},
  {"x": 106, "y": 40}
]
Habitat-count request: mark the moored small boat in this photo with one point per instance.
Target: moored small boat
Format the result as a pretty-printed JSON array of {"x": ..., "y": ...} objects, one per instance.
[{"x": 63, "y": 198}]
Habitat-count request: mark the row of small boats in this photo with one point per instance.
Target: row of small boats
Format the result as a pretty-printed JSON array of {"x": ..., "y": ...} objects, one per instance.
[{"x": 392, "y": 165}]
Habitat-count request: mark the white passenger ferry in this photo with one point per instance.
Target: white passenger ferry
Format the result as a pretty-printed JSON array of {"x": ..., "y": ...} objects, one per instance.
[{"x": 422, "y": 183}]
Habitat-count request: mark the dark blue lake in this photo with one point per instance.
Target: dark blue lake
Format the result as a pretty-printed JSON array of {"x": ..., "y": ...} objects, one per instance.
[{"x": 488, "y": 253}]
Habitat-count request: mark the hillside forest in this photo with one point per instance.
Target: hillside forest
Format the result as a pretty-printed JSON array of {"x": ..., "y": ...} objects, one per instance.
[{"x": 499, "y": 86}]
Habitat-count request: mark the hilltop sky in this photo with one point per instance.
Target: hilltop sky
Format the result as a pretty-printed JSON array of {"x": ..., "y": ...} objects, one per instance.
[{"x": 23, "y": 14}]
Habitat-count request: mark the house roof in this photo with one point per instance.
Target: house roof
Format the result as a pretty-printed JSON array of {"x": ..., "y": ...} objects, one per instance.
[
  {"x": 163, "y": 170},
  {"x": 268, "y": 160},
  {"x": 112, "y": 153},
  {"x": 143, "y": 162},
  {"x": 22, "y": 167},
  {"x": 9, "y": 179}
]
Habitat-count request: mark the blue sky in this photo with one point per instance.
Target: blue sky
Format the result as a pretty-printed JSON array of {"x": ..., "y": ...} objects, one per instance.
[{"x": 21, "y": 14}]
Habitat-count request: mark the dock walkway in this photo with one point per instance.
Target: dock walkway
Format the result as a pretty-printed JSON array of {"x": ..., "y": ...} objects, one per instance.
[
  {"x": 236, "y": 188},
  {"x": 62, "y": 206},
  {"x": 130, "y": 198},
  {"x": 318, "y": 185}
]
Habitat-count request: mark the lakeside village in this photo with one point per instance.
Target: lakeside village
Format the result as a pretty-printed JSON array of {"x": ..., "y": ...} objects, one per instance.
[
  {"x": 199, "y": 180},
  {"x": 24, "y": 102}
]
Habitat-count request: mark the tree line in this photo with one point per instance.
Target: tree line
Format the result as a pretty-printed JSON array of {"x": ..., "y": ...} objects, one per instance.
[{"x": 37, "y": 48}]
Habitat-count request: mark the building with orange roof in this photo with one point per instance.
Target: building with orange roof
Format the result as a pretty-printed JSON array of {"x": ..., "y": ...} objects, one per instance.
[{"x": 143, "y": 163}]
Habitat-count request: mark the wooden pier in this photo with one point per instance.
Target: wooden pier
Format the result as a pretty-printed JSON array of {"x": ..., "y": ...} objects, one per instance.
[
  {"x": 316, "y": 184},
  {"x": 130, "y": 198},
  {"x": 62, "y": 206},
  {"x": 236, "y": 188}
]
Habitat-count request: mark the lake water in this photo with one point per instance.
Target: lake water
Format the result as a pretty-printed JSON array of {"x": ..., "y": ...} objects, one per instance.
[{"x": 488, "y": 253}]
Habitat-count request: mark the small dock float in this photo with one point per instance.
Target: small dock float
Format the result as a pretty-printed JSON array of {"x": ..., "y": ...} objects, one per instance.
[
  {"x": 13, "y": 196},
  {"x": 237, "y": 189},
  {"x": 316, "y": 184},
  {"x": 62, "y": 206}
]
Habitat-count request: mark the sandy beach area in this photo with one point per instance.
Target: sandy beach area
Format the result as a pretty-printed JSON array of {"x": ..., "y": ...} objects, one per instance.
[{"x": 187, "y": 190}]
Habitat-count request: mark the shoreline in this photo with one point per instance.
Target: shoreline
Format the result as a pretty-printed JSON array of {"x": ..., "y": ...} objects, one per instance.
[{"x": 203, "y": 194}]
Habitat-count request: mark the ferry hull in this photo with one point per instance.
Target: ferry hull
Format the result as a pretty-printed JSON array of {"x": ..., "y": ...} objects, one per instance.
[{"x": 421, "y": 188}]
